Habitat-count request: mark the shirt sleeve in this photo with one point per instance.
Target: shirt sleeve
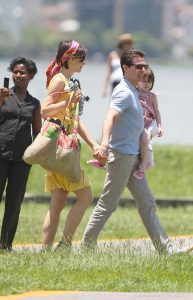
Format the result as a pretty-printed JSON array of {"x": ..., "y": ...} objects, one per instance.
[{"x": 120, "y": 100}]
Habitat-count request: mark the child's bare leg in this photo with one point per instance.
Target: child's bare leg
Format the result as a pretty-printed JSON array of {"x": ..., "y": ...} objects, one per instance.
[
  {"x": 143, "y": 155},
  {"x": 143, "y": 150}
]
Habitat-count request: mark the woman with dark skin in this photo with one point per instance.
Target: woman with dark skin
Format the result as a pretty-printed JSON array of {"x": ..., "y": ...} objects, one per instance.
[{"x": 19, "y": 113}]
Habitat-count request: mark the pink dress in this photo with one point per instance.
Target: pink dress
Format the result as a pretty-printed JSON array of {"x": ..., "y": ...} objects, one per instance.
[
  {"x": 148, "y": 111},
  {"x": 149, "y": 123}
]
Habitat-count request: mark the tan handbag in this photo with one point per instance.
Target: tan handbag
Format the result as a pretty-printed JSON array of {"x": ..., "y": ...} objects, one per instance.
[{"x": 56, "y": 151}]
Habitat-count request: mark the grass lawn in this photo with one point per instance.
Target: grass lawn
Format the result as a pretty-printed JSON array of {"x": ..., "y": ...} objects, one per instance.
[
  {"x": 111, "y": 269},
  {"x": 172, "y": 175},
  {"x": 123, "y": 224},
  {"x": 95, "y": 270}
]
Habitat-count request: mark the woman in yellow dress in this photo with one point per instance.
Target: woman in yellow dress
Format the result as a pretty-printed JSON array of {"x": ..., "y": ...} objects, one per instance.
[{"x": 69, "y": 59}]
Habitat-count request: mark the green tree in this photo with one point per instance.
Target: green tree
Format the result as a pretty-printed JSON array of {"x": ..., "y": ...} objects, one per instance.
[
  {"x": 152, "y": 46},
  {"x": 109, "y": 40},
  {"x": 90, "y": 34},
  {"x": 36, "y": 41},
  {"x": 46, "y": 2},
  {"x": 7, "y": 47}
]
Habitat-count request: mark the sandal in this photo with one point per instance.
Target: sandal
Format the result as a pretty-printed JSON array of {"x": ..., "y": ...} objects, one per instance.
[
  {"x": 95, "y": 163},
  {"x": 138, "y": 174}
]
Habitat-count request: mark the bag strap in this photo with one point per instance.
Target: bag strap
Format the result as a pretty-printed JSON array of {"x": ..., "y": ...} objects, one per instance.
[
  {"x": 76, "y": 108},
  {"x": 76, "y": 121},
  {"x": 75, "y": 129}
]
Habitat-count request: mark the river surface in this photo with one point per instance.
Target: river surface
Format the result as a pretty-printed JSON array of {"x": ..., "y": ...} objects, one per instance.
[{"x": 174, "y": 83}]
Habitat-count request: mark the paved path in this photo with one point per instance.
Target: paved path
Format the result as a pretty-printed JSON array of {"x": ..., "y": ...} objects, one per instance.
[
  {"x": 62, "y": 295},
  {"x": 136, "y": 245}
]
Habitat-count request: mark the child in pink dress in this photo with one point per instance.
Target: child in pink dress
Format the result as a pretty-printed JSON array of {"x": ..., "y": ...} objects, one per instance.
[{"x": 152, "y": 122}]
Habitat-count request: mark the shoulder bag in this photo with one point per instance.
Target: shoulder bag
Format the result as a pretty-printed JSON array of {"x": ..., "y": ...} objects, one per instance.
[{"x": 55, "y": 150}]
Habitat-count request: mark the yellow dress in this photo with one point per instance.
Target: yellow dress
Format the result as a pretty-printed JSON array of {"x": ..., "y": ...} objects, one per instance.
[{"x": 55, "y": 181}]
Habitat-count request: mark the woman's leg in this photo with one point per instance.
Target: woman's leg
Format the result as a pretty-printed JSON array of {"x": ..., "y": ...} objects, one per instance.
[
  {"x": 51, "y": 222},
  {"x": 18, "y": 172},
  {"x": 4, "y": 167},
  {"x": 84, "y": 199}
]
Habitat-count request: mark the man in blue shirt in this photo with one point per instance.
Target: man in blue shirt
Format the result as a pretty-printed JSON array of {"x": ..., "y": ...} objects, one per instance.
[{"x": 122, "y": 128}]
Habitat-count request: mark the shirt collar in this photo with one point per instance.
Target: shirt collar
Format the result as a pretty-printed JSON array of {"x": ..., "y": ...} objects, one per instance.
[
  {"x": 128, "y": 83},
  {"x": 12, "y": 91}
]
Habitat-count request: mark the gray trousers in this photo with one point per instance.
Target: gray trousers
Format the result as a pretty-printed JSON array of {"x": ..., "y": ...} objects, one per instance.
[{"x": 120, "y": 175}]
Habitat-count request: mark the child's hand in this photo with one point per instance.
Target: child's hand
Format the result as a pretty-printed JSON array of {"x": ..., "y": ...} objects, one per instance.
[
  {"x": 102, "y": 161},
  {"x": 160, "y": 131}
]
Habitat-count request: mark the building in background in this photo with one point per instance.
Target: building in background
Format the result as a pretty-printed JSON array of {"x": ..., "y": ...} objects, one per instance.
[
  {"x": 101, "y": 9},
  {"x": 11, "y": 18},
  {"x": 170, "y": 21},
  {"x": 152, "y": 16},
  {"x": 161, "y": 27}
]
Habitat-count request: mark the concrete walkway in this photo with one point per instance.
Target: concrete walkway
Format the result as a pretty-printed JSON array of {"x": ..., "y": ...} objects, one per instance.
[
  {"x": 164, "y": 202},
  {"x": 99, "y": 296},
  {"x": 142, "y": 245}
]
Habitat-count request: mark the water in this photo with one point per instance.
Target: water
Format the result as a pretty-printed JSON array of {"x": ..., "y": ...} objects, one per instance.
[{"x": 174, "y": 83}]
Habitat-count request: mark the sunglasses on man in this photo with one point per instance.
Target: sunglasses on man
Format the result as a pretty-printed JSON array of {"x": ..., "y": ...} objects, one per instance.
[{"x": 140, "y": 66}]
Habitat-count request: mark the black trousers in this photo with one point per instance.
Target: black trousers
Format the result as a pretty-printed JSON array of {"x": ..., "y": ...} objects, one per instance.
[{"x": 16, "y": 174}]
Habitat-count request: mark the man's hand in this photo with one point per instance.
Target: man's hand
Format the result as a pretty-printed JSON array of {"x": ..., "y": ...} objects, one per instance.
[{"x": 101, "y": 154}]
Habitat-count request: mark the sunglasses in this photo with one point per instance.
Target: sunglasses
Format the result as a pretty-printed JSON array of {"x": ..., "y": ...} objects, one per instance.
[
  {"x": 82, "y": 58},
  {"x": 140, "y": 66}
]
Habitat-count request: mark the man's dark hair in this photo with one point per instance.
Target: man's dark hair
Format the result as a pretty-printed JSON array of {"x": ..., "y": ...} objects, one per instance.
[
  {"x": 28, "y": 63},
  {"x": 127, "y": 57}
]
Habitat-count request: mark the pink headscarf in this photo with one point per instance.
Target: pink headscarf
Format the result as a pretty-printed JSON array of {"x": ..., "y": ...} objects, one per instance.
[{"x": 70, "y": 52}]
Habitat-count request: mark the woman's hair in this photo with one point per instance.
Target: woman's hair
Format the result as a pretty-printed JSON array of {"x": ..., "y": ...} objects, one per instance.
[
  {"x": 127, "y": 57},
  {"x": 29, "y": 64},
  {"x": 150, "y": 77},
  {"x": 64, "y": 46}
]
